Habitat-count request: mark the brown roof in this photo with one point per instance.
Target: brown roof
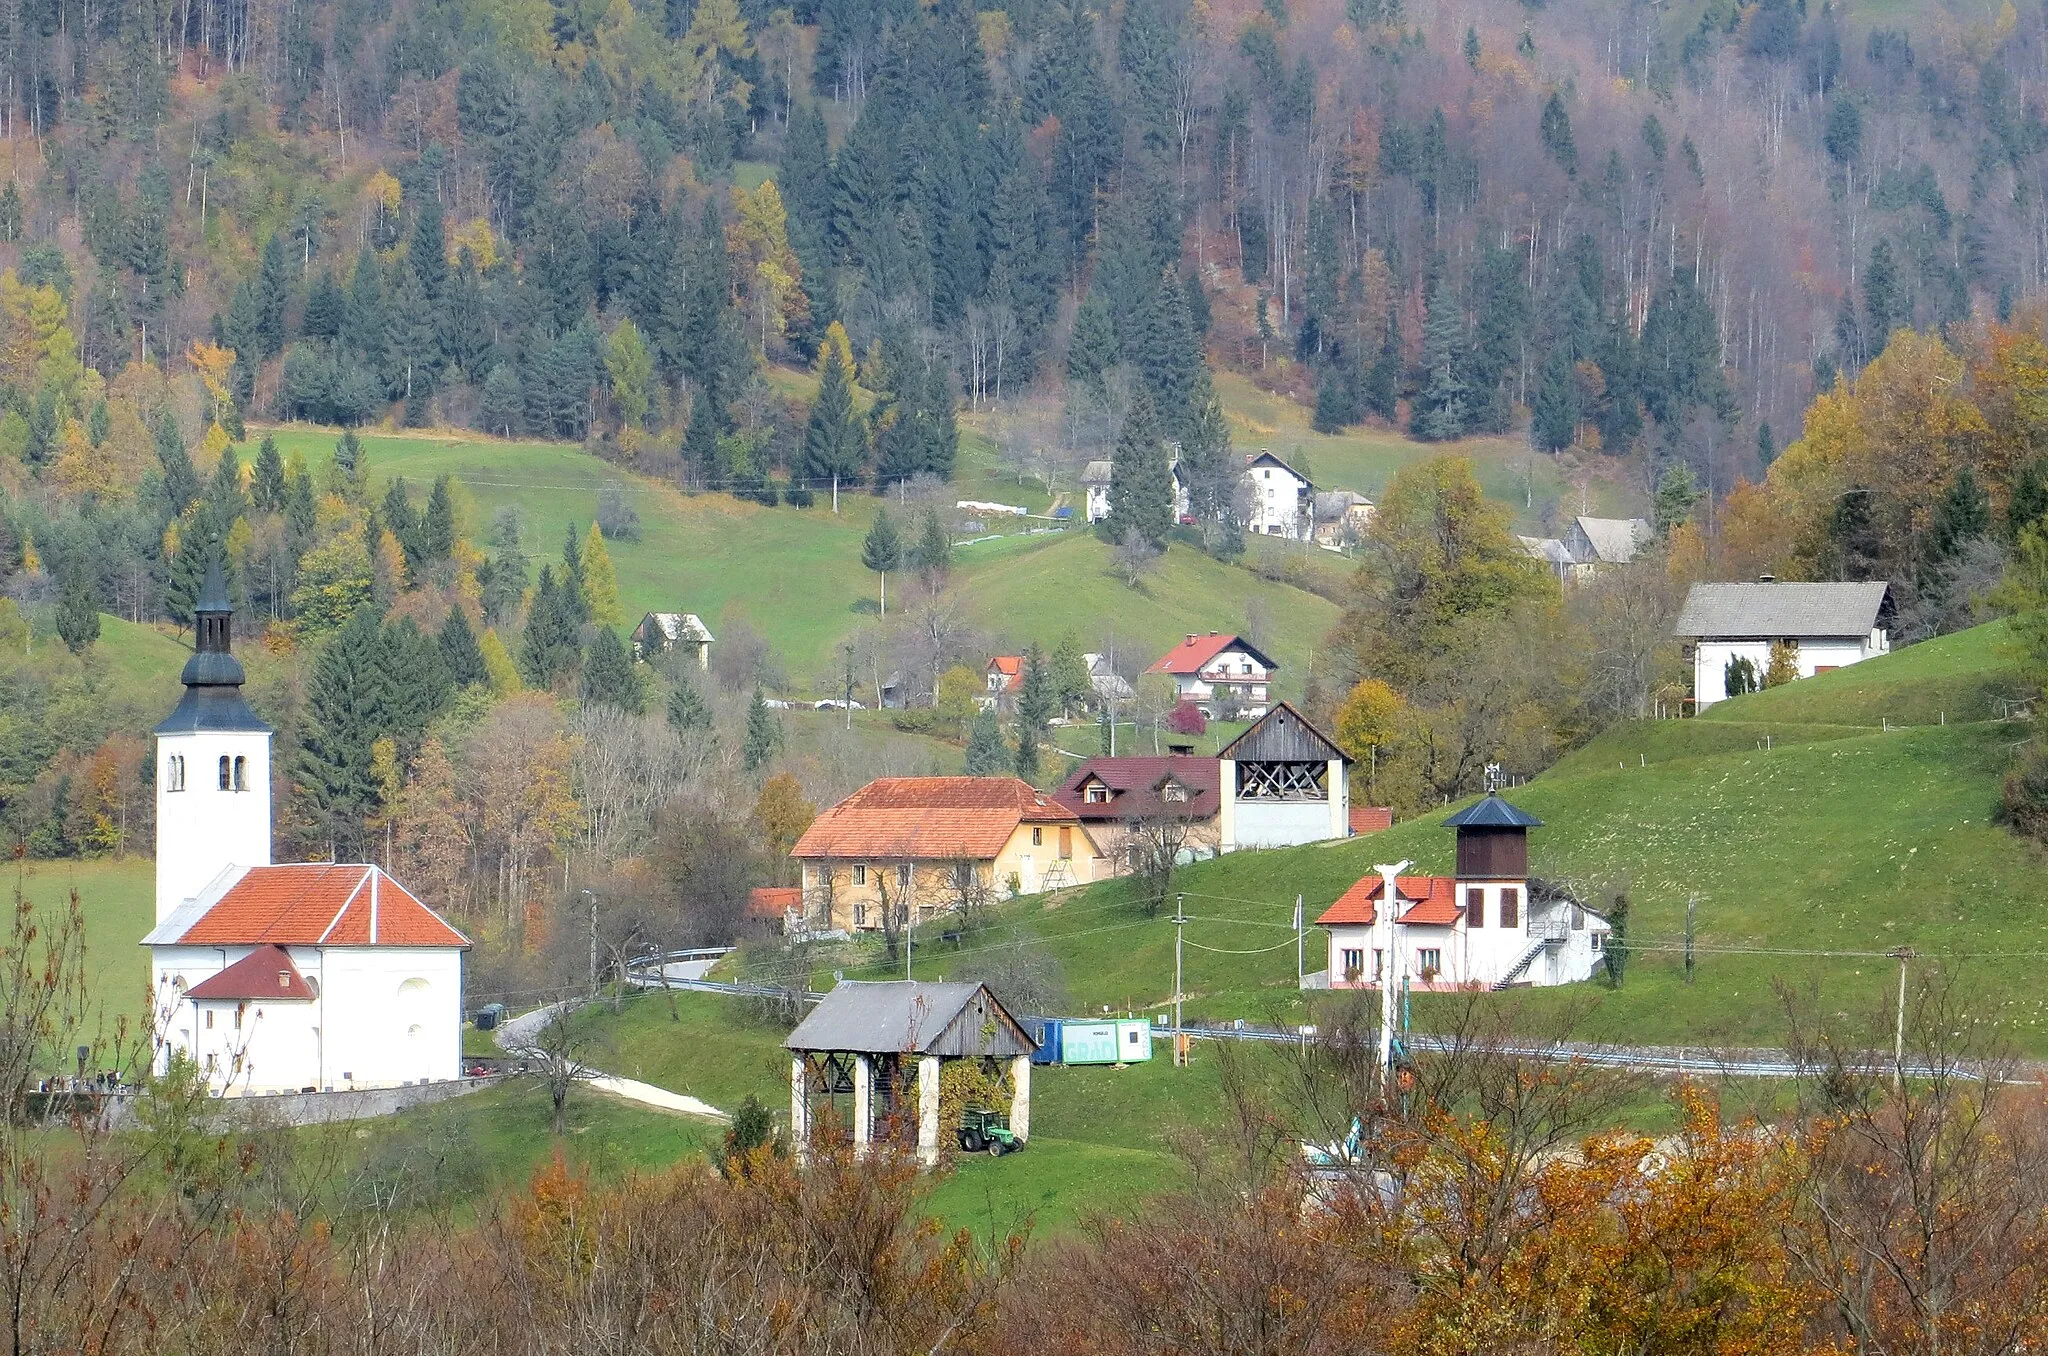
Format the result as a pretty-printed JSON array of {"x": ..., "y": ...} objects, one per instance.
[
  {"x": 265, "y": 973},
  {"x": 313, "y": 904},
  {"x": 773, "y": 901},
  {"x": 1371, "y": 818},
  {"x": 929, "y": 818},
  {"x": 1134, "y": 785},
  {"x": 1431, "y": 899},
  {"x": 1191, "y": 654}
]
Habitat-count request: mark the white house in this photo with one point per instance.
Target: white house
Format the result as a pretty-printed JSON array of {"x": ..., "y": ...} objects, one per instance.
[
  {"x": 1282, "y": 502},
  {"x": 1487, "y": 927},
  {"x": 279, "y": 978},
  {"x": 1342, "y": 518},
  {"x": 1828, "y": 627},
  {"x": 1281, "y": 783},
  {"x": 1095, "y": 480},
  {"x": 662, "y": 632},
  {"x": 1221, "y": 674}
]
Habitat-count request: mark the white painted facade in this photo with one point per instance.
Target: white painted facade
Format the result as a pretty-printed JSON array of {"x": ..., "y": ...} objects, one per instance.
[
  {"x": 1253, "y": 823},
  {"x": 1281, "y": 502},
  {"x": 383, "y": 1016},
  {"x": 1559, "y": 943},
  {"x": 1235, "y": 672},
  {"x": 212, "y": 809},
  {"x": 1816, "y": 654}
]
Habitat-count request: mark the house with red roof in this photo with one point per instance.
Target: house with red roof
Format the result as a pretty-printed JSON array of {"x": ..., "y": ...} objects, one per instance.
[
  {"x": 1002, "y": 678},
  {"x": 904, "y": 848},
  {"x": 1179, "y": 795},
  {"x": 1228, "y": 677},
  {"x": 1489, "y": 926},
  {"x": 316, "y": 976}
]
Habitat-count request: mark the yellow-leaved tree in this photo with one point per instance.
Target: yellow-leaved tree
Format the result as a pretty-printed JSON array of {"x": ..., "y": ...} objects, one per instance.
[
  {"x": 759, "y": 240},
  {"x": 600, "y": 580}
]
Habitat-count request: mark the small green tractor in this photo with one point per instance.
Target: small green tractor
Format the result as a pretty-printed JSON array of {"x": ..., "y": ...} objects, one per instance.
[{"x": 981, "y": 1128}]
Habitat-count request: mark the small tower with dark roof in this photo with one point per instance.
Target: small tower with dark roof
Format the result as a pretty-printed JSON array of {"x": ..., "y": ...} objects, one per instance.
[
  {"x": 212, "y": 763},
  {"x": 1493, "y": 840}
]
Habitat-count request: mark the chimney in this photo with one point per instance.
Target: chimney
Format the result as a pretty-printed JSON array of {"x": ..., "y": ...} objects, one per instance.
[
  {"x": 1214, "y": 633},
  {"x": 1767, "y": 579},
  {"x": 1191, "y": 638}
]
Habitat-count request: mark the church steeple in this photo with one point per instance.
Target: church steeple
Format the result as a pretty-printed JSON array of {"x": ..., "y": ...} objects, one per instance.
[{"x": 213, "y": 677}]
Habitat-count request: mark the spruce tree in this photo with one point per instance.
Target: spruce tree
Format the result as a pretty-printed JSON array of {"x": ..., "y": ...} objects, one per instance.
[
  {"x": 987, "y": 755},
  {"x": 428, "y": 252},
  {"x": 608, "y": 676},
  {"x": 700, "y": 440},
  {"x": 882, "y": 551},
  {"x": 1766, "y": 445},
  {"x": 266, "y": 485},
  {"x": 273, "y": 294},
  {"x": 834, "y": 444},
  {"x": 181, "y": 482},
  {"x": 418, "y": 682},
  {"x": 1093, "y": 348},
  {"x": 1140, "y": 480},
  {"x": 1442, "y": 410},
  {"x": 1883, "y": 303},
  {"x": 437, "y": 525},
  {"x": 2027, "y": 505},
  {"x": 398, "y": 516},
  {"x": 348, "y": 706},
  {"x": 1962, "y": 514},
  {"x": 460, "y": 653},
  {"x": 686, "y": 709},
  {"x": 764, "y": 736},
  {"x": 1383, "y": 379},
  {"x": 1037, "y": 697},
  {"x": 1677, "y": 494},
  {"x": 1026, "y": 763},
  {"x": 575, "y": 600},
  {"x": 78, "y": 613},
  {"x": 932, "y": 556},
  {"x": 504, "y": 576},
  {"x": 1554, "y": 417},
  {"x": 548, "y": 649}
]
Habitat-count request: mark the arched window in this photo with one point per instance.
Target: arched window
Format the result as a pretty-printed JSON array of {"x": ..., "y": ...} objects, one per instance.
[
  {"x": 174, "y": 773},
  {"x": 225, "y": 774},
  {"x": 241, "y": 774}
]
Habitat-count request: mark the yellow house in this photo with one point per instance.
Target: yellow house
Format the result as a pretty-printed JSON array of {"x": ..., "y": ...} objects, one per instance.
[{"x": 903, "y": 847}]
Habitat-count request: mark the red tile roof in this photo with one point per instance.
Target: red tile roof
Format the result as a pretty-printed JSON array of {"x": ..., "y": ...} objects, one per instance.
[
  {"x": 1134, "y": 787},
  {"x": 267, "y": 973},
  {"x": 773, "y": 901},
  {"x": 1371, "y": 818},
  {"x": 1191, "y": 654},
  {"x": 1011, "y": 666},
  {"x": 319, "y": 904},
  {"x": 1431, "y": 899},
  {"x": 929, "y": 818}
]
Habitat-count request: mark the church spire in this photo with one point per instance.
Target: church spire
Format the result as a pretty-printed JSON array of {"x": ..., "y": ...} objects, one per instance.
[{"x": 213, "y": 677}]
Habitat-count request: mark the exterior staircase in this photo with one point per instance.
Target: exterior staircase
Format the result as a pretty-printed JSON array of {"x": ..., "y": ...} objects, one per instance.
[{"x": 1520, "y": 967}]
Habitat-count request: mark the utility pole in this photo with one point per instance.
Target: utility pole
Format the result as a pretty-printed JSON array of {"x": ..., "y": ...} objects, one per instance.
[
  {"x": 849, "y": 687},
  {"x": 1180, "y": 918},
  {"x": 1692, "y": 904},
  {"x": 1383, "y": 932},
  {"x": 1905, "y": 956},
  {"x": 835, "y": 494},
  {"x": 1298, "y": 972}
]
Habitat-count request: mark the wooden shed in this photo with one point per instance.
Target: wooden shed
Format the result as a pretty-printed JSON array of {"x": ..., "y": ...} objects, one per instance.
[{"x": 871, "y": 1040}]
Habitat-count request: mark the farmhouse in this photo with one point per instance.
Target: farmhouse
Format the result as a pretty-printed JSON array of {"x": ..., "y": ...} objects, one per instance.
[
  {"x": 1730, "y": 629},
  {"x": 1594, "y": 542},
  {"x": 1095, "y": 480},
  {"x": 1280, "y": 783},
  {"x": 1282, "y": 499},
  {"x": 663, "y": 632},
  {"x": 1489, "y": 926},
  {"x": 1124, "y": 801},
  {"x": 917, "y": 847},
  {"x": 882, "y": 1046},
  {"x": 279, "y": 978},
  {"x": 1222, "y": 674},
  {"x": 1000, "y": 681},
  {"x": 1342, "y": 518}
]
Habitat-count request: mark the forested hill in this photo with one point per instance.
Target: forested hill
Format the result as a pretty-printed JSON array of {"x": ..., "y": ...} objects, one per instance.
[{"x": 1651, "y": 227}]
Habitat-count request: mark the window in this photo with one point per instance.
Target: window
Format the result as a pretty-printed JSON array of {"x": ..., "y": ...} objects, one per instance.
[
  {"x": 1354, "y": 963},
  {"x": 1511, "y": 908},
  {"x": 1038, "y": 837},
  {"x": 1066, "y": 843},
  {"x": 1097, "y": 794},
  {"x": 209, "y": 1019},
  {"x": 860, "y": 915},
  {"x": 1432, "y": 962},
  {"x": 174, "y": 773},
  {"x": 241, "y": 774},
  {"x": 1379, "y": 963},
  {"x": 1475, "y": 908},
  {"x": 225, "y": 773},
  {"x": 1596, "y": 943},
  {"x": 860, "y": 875},
  {"x": 284, "y": 979},
  {"x": 1173, "y": 791},
  {"x": 903, "y": 876},
  {"x": 238, "y": 1016}
]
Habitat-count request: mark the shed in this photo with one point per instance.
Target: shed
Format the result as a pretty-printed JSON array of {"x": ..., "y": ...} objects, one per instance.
[
  {"x": 662, "y": 632},
  {"x": 865, "y": 1039}
]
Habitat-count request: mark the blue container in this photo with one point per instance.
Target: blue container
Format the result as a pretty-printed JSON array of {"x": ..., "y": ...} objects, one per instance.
[{"x": 1045, "y": 1031}]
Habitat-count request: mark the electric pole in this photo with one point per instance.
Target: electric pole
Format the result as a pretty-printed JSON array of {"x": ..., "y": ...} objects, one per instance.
[
  {"x": 1383, "y": 932},
  {"x": 591, "y": 897},
  {"x": 1298, "y": 973},
  {"x": 1905, "y": 956},
  {"x": 849, "y": 687},
  {"x": 1692, "y": 904},
  {"x": 1180, "y": 1049}
]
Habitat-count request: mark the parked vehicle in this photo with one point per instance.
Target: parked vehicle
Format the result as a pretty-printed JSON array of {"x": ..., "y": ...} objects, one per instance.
[{"x": 981, "y": 1128}]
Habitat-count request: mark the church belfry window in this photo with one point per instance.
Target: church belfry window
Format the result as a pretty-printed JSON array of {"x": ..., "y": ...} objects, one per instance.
[
  {"x": 225, "y": 774},
  {"x": 241, "y": 773},
  {"x": 174, "y": 772}
]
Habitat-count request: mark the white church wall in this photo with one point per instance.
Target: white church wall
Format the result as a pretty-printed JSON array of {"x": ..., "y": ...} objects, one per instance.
[
  {"x": 404, "y": 1014},
  {"x": 200, "y": 828}
]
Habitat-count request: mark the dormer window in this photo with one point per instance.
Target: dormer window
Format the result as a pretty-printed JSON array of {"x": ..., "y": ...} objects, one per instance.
[
  {"x": 1096, "y": 794},
  {"x": 1173, "y": 791}
]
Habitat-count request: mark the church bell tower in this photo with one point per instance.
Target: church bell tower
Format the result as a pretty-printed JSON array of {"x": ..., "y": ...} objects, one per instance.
[{"x": 212, "y": 764}]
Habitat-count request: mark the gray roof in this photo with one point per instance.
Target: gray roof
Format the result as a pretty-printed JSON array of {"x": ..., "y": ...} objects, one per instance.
[
  {"x": 1493, "y": 813},
  {"x": 1097, "y": 473},
  {"x": 1282, "y": 735},
  {"x": 1614, "y": 540},
  {"x": 953, "y": 1021},
  {"x": 676, "y": 626},
  {"x": 1780, "y": 611},
  {"x": 1549, "y": 550}
]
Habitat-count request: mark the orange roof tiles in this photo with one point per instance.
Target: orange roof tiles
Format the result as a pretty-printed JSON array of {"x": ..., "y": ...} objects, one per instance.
[
  {"x": 319, "y": 904},
  {"x": 773, "y": 901},
  {"x": 1371, "y": 818},
  {"x": 1195, "y": 651},
  {"x": 929, "y": 818},
  {"x": 1011, "y": 667},
  {"x": 1430, "y": 899},
  {"x": 265, "y": 973}
]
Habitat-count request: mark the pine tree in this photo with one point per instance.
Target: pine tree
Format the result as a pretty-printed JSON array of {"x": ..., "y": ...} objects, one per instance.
[
  {"x": 1140, "y": 480},
  {"x": 575, "y": 597},
  {"x": 2027, "y": 505},
  {"x": 266, "y": 485},
  {"x": 608, "y": 676},
  {"x": 833, "y": 442},
  {"x": 932, "y": 556},
  {"x": 397, "y": 514},
  {"x": 600, "y": 580},
  {"x": 1962, "y": 514},
  {"x": 987, "y": 755},
  {"x": 181, "y": 482},
  {"x": 348, "y": 706},
  {"x": 437, "y": 525},
  {"x": 1441, "y": 412},
  {"x": 764, "y": 736},
  {"x": 686, "y": 709},
  {"x": 460, "y": 652},
  {"x": 548, "y": 649},
  {"x": 78, "y": 613},
  {"x": 1766, "y": 445},
  {"x": 882, "y": 551},
  {"x": 273, "y": 295},
  {"x": 1554, "y": 418}
]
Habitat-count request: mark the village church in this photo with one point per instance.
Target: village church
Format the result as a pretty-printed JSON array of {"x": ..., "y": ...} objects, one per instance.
[{"x": 319, "y": 976}]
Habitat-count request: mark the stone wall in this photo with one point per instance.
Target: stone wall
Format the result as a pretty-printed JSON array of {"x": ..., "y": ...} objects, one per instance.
[{"x": 321, "y": 1108}]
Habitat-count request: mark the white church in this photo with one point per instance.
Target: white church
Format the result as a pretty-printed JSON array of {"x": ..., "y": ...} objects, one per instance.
[{"x": 312, "y": 977}]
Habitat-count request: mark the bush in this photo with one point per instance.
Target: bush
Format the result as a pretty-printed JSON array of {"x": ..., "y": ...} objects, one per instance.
[
  {"x": 2024, "y": 798},
  {"x": 1188, "y": 719},
  {"x": 616, "y": 518},
  {"x": 1740, "y": 677},
  {"x": 918, "y": 720}
]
